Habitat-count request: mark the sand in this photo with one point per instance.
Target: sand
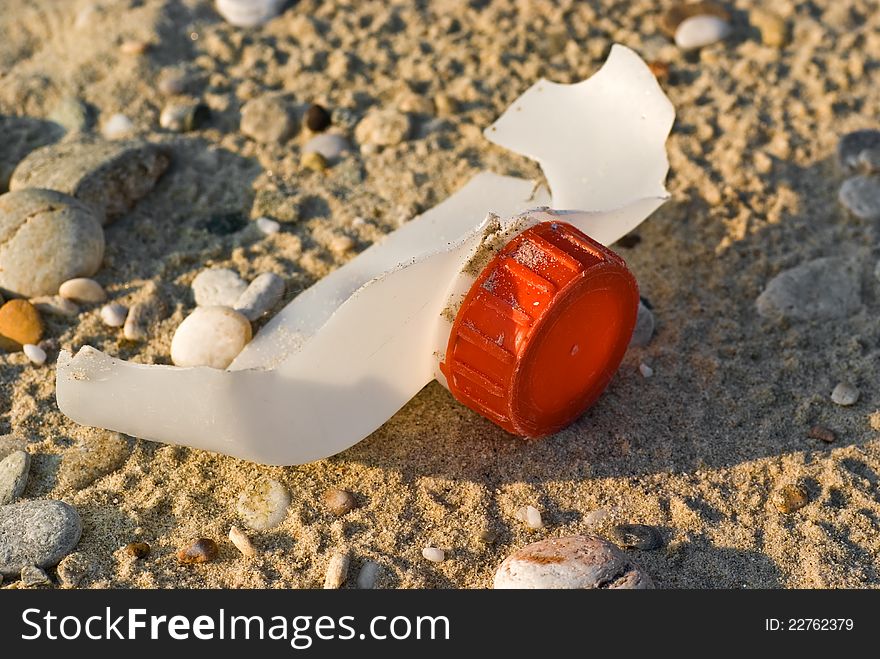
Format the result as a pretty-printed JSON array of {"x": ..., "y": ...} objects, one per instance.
[{"x": 696, "y": 450}]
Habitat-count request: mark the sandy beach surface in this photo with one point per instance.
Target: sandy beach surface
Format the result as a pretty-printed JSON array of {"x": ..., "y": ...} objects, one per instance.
[{"x": 698, "y": 450}]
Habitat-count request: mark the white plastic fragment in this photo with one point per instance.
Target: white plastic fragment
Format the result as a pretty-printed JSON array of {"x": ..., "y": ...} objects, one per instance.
[{"x": 347, "y": 353}]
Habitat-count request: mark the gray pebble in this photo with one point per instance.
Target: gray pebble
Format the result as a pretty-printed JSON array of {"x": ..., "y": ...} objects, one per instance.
[
  {"x": 46, "y": 238},
  {"x": 852, "y": 145},
  {"x": 218, "y": 287},
  {"x": 817, "y": 290},
  {"x": 574, "y": 562},
  {"x": 13, "y": 475},
  {"x": 261, "y": 296},
  {"x": 860, "y": 195},
  {"x": 268, "y": 119},
  {"x": 845, "y": 394},
  {"x": 636, "y": 536},
  {"x": 330, "y": 145},
  {"x": 644, "y": 328},
  {"x": 108, "y": 176},
  {"x": 34, "y": 577},
  {"x": 74, "y": 568},
  {"x": 73, "y": 114},
  {"x": 368, "y": 575},
  {"x": 38, "y": 533}
]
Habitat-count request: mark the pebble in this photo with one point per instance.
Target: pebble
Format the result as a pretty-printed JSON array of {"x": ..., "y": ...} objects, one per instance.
[
  {"x": 210, "y": 336},
  {"x": 645, "y": 370},
  {"x": 48, "y": 237},
  {"x": 677, "y": 13},
  {"x": 699, "y": 31},
  {"x": 264, "y": 292},
  {"x": 182, "y": 118},
  {"x": 82, "y": 290},
  {"x": 13, "y": 475},
  {"x": 822, "y": 433},
  {"x": 383, "y": 127},
  {"x": 860, "y": 195},
  {"x": 218, "y": 287},
  {"x": 313, "y": 161},
  {"x": 337, "y": 571},
  {"x": 845, "y": 394},
  {"x": 243, "y": 543},
  {"x": 853, "y": 145},
  {"x": 114, "y": 314},
  {"x": 774, "y": 31},
  {"x": 173, "y": 81},
  {"x": 35, "y": 354},
  {"x": 263, "y": 505},
  {"x": 55, "y": 305},
  {"x": 137, "y": 549},
  {"x": 531, "y": 517},
  {"x": 574, "y": 562},
  {"x": 317, "y": 118},
  {"x": 20, "y": 324},
  {"x": 33, "y": 577},
  {"x": 109, "y": 177},
  {"x": 202, "y": 550},
  {"x": 249, "y": 13},
  {"x": 790, "y": 498},
  {"x": 268, "y": 119},
  {"x": 101, "y": 453},
  {"x": 267, "y": 226},
  {"x": 117, "y": 127},
  {"x": 72, "y": 114},
  {"x": 330, "y": 145},
  {"x": 821, "y": 289},
  {"x": 434, "y": 554},
  {"x": 38, "y": 533},
  {"x": 74, "y": 568},
  {"x": 636, "y": 536},
  {"x": 339, "y": 502},
  {"x": 644, "y": 328},
  {"x": 368, "y": 575}
]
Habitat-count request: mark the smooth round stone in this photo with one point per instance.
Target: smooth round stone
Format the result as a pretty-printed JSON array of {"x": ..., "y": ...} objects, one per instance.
[
  {"x": 72, "y": 113},
  {"x": 699, "y": 31},
  {"x": 82, "y": 290},
  {"x": 261, "y": 296},
  {"x": 109, "y": 177},
  {"x": 267, "y": 226},
  {"x": 330, "y": 145},
  {"x": 202, "y": 550},
  {"x": 46, "y": 238},
  {"x": 13, "y": 475},
  {"x": 636, "y": 536},
  {"x": 38, "y": 533},
  {"x": 317, "y": 118},
  {"x": 117, "y": 127},
  {"x": 114, "y": 314},
  {"x": 821, "y": 289},
  {"x": 20, "y": 324},
  {"x": 249, "y": 13},
  {"x": 433, "y": 554},
  {"x": 860, "y": 195},
  {"x": 339, "y": 502},
  {"x": 644, "y": 328},
  {"x": 573, "y": 562},
  {"x": 268, "y": 119},
  {"x": 845, "y": 394},
  {"x": 383, "y": 127},
  {"x": 368, "y": 575},
  {"x": 853, "y": 145},
  {"x": 218, "y": 287},
  {"x": 35, "y": 354},
  {"x": 210, "y": 336},
  {"x": 263, "y": 505}
]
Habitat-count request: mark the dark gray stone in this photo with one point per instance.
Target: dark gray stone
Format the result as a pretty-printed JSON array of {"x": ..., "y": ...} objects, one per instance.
[{"x": 37, "y": 533}]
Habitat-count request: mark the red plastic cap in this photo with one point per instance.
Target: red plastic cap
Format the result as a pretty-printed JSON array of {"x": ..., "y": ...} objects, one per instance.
[{"x": 542, "y": 330}]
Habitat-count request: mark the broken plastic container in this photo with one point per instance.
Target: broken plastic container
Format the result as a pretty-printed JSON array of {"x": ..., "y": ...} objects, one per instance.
[{"x": 523, "y": 315}]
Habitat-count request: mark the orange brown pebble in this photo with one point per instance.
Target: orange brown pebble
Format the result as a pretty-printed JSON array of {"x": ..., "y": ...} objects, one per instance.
[
  {"x": 202, "y": 550},
  {"x": 20, "y": 323}
]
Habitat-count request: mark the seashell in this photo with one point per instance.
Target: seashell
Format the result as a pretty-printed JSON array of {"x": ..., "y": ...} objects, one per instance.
[{"x": 249, "y": 13}]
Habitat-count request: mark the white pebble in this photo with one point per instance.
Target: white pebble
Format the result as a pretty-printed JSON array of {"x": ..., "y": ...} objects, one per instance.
[
  {"x": 337, "y": 571},
  {"x": 267, "y": 226},
  {"x": 845, "y": 394},
  {"x": 82, "y": 290},
  {"x": 433, "y": 554},
  {"x": 114, "y": 314},
  {"x": 263, "y": 505},
  {"x": 35, "y": 353},
  {"x": 117, "y": 126},
  {"x": 531, "y": 516},
  {"x": 210, "y": 336},
  {"x": 249, "y": 13},
  {"x": 217, "y": 287},
  {"x": 645, "y": 370},
  {"x": 698, "y": 31},
  {"x": 243, "y": 543},
  {"x": 329, "y": 145},
  {"x": 368, "y": 575},
  {"x": 261, "y": 296}
]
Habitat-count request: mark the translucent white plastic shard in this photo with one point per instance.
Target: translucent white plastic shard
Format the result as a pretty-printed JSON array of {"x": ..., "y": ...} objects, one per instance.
[{"x": 350, "y": 351}]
